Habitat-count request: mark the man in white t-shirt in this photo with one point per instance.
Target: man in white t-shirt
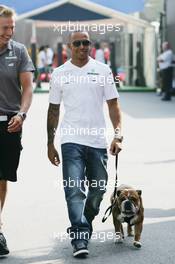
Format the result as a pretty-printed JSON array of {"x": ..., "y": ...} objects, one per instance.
[
  {"x": 99, "y": 55},
  {"x": 41, "y": 65},
  {"x": 49, "y": 56},
  {"x": 165, "y": 60},
  {"x": 83, "y": 85}
]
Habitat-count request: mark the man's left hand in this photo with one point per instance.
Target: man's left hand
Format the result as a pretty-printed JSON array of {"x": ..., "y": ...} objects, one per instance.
[
  {"x": 116, "y": 147},
  {"x": 15, "y": 124}
]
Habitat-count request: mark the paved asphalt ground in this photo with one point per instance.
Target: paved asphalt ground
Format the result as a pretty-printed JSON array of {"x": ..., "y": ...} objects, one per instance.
[{"x": 36, "y": 215}]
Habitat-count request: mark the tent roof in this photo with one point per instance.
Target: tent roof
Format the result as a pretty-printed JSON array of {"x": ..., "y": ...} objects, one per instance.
[
  {"x": 126, "y": 6},
  {"x": 75, "y": 10},
  {"x": 68, "y": 11}
]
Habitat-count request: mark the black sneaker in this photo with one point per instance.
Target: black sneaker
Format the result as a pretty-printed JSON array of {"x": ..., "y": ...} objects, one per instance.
[
  {"x": 3, "y": 245},
  {"x": 80, "y": 249}
]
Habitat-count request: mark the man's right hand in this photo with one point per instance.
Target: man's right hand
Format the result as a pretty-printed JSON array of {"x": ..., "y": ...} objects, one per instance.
[{"x": 53, "y": 155}]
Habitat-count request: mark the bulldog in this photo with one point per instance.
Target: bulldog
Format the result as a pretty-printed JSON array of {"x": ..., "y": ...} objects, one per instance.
[{"x": 128, "y": 208}]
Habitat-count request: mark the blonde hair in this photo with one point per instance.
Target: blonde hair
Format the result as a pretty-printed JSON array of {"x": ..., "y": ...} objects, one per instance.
[{"x": 6, "y": 11}]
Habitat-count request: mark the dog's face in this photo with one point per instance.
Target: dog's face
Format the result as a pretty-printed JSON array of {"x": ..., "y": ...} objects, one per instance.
[{"x": 129, "y": 201}]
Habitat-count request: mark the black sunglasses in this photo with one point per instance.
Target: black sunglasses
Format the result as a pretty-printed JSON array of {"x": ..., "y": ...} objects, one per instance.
[{"x": 78, "y": 43}]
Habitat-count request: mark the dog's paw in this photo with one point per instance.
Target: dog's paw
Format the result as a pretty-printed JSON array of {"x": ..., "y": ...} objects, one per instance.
[
  {"x": 118, "y": 238},
  {"x": 137, "y": 244}
]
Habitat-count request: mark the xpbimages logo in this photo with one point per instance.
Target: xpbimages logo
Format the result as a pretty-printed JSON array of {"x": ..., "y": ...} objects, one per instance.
[
  {"x": 93, "y": 27},
  {"x": 101, "y": 236},
  {"x": 90, "y": 78},
  {"x": 83, "y": 184}
]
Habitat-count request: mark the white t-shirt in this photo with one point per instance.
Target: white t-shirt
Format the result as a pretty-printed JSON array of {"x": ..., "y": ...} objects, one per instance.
[
  {"x": 83, "y": 91},
  {"x": 42, "y": 60},
  {"x": 167, "y": 57},
  {"x": 99, "y": 55},
  {"x": 49, "y": 56}
]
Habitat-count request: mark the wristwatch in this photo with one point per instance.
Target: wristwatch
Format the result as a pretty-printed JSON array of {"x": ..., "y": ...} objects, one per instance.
[
  {"x": 117, "y": 136},
  {"x": 22, "y": 115}
]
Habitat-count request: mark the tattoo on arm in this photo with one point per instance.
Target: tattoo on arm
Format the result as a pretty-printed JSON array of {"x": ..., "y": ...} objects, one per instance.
[{"x": 52, "y": 122}]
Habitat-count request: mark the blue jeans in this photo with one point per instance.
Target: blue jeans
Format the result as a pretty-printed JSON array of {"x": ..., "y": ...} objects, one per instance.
[{"x": 83, "y": 167}]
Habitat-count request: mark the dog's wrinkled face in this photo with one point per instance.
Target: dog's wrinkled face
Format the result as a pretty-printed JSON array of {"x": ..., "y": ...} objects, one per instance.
[{"x": 128, "y": 201}]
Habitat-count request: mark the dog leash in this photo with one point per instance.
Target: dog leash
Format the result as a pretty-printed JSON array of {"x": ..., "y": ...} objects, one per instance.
[{"x": 114, "y": 194}]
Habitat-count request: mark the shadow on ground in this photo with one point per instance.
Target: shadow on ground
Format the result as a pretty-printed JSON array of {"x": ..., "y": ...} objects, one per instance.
[
  {"x": 147, "y": 105},
  {"x": 154, "y": 239},
  {"x": 155, "y": 213}
]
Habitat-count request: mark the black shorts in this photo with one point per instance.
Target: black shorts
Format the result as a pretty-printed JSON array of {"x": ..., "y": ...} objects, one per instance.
[{"x": 10, "y": 149}]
